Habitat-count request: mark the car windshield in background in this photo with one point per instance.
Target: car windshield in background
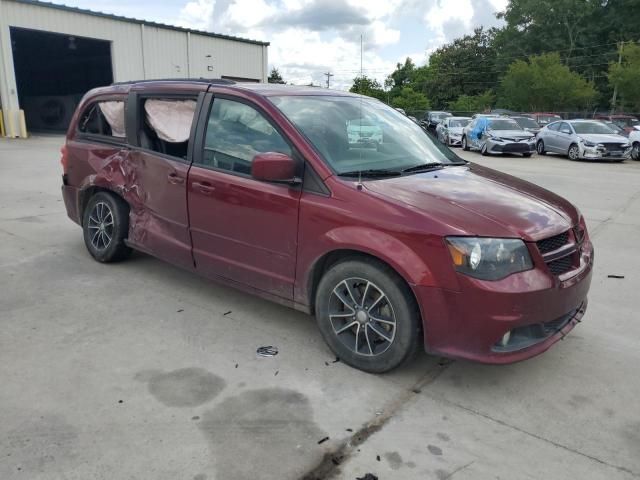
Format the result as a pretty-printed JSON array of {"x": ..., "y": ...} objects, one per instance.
[
  {"x": 626, "y": 122},
  {"x": 503, "y": 124},
  {"x": 526, "y": 122},
  {"x": 458, "y": 123},
  {"x": 548, "y": 118},
  {"x": 390, "y": 142},
  {"x": 591, "y": 127},
  {"x": 440, "y": 116}
]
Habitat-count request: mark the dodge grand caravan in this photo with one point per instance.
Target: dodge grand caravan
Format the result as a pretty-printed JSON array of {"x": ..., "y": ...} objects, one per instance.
[{"x": 268, "y": 189}]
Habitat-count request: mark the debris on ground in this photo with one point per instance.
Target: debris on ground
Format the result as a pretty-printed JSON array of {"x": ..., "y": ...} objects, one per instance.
[
  {"x": 368, "y": 476},
  {"x": 180, "y": 311},
  {"x": 276, "y": 374},
  {"x": 378, "y": 457},
  {"x": 349, "y": 429},
  {"x": 615, "y": 276},
  {"x": 268, "y": 351},
  {"x": 226, "y": 313},
  {"x": 321, "y": 441}
]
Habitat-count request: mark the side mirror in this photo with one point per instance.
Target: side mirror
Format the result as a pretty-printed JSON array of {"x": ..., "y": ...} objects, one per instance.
[{"x": 274, "y": 167}]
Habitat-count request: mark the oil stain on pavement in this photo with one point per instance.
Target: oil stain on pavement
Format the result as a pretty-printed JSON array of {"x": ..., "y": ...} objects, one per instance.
[
  {"x": 257, "y": 433},
  {"x": 186, "y": 387}
]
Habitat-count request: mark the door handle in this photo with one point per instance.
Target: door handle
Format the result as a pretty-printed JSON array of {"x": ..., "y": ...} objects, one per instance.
[
  {"x": 175, "y": 179},
  {"x": 203, "y": 187}
]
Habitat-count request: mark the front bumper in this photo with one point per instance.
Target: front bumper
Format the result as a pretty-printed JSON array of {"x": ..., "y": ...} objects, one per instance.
[
  {"x": 599, "y": 153},
  {"x": 538, "y": 309},
  {"x": 510, "y": 147}
]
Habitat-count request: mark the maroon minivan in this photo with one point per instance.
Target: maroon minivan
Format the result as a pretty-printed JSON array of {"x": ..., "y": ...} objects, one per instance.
[{"x": 334, "y": 204}]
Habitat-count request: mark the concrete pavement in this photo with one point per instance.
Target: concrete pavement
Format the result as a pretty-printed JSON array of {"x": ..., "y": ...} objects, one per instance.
[{"x": 140, "y": 370}]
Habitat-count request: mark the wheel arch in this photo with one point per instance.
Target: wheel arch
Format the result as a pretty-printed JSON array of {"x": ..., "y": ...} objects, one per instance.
[{"x": 88, "y": 192}]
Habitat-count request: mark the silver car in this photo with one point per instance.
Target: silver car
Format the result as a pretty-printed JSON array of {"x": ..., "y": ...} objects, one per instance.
[
  {"x": 497, "y": 135},
  {"x": 449, "y": 130},
  {"x": 583, "y": 140}
]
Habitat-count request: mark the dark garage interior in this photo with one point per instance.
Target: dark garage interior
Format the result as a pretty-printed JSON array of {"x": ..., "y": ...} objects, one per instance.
[{"x": 54, "y": 71}]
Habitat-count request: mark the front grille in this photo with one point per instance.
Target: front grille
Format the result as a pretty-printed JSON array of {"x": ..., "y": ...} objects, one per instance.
[
  {"x": 560, "y": 266},
  {"x": 515, "y": 148},
  {"x": 553, "y": 243},
  {"x": 613, "y": 146}
]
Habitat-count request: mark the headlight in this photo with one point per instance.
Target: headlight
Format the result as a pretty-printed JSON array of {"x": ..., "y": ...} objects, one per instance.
[
  {"x": 626, "y": 145},
  {"x": 587, "y": 143},
  {"x": 489, "y": 258}
]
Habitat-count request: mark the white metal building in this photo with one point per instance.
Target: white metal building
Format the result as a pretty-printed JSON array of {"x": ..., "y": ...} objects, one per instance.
[{"x": 50, "y": 55}]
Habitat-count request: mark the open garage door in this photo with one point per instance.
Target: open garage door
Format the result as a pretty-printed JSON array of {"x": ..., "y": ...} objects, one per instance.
[{"x": 54, "y": 71}]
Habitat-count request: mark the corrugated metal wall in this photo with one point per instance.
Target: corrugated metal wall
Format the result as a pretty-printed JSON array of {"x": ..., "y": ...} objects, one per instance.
[{"x": 138, "y": 51}]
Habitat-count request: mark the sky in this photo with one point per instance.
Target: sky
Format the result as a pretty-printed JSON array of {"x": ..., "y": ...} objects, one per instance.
[{"x": 311, "y": 37}]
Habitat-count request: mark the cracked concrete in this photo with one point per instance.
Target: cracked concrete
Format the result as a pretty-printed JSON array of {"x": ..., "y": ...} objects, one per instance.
[{"x": 138, "y": 370}]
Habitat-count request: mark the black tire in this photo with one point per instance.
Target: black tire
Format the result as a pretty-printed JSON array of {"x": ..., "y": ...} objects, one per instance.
[
  {"x": 465, "y": 145},
  {"x": 106, "y": 217},
  {"x": 635, "y": 151},
  {"x": 540, "y": 148},
  {"x": 573, "y": 148},
  {"x": 526, "y": 155},
  {"x": 368, "y": 350},
  {"x": 483, "y": 151}
]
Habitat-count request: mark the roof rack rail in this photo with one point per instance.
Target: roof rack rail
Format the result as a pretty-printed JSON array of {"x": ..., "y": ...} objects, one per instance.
[{"x": 217, "y": 81}]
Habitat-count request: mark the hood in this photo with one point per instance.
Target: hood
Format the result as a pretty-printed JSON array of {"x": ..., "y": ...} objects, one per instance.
[
  {"x": 510, "y": 133},
  {"x": 603, "y": 138},
  {"x": 474, "y": 200}
]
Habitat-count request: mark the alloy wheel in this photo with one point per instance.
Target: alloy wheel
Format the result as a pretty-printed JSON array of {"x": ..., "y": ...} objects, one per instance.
[
  {"x": 362, "y": 317},
  {"x": 540, "y": 148},
  {"x": 101, "y": 226},
  {"x": 574, "y": 153},
  {"x": 635, "y": 151}
]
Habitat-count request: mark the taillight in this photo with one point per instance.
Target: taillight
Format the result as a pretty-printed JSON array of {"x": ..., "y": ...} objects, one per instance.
[{"x": 63, "y": 159}]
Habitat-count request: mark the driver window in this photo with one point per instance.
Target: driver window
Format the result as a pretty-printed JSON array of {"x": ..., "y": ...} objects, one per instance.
[
  {"x": 564, "y": 128},
  {"x": 235, "y": 134}
]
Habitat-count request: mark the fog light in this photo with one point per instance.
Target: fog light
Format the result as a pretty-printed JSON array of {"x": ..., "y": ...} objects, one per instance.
[{"x": 505, "y": 339}]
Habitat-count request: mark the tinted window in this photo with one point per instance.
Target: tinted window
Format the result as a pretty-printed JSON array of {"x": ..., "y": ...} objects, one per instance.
[
  {"x": 565, "y": 128},
  {"x": 103, "y": 118},
  {"x": 554, "y": 126},
  {"x": 236, "y": 133},
  {"x": 166, "y": 125}
]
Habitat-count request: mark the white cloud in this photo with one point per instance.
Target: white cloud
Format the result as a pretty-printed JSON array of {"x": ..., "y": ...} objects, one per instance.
[{"x": 197, "y": 14}]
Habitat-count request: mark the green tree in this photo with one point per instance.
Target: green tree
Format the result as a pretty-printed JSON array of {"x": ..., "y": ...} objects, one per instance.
[
  {"x": 473, "y": 103},
  {"x": 626, "y": 76},
  {"x": 544, "y": 83},
  {"x": 410, "y": 100},
  {"x": 368, "y": 86},
  {"x": 275, "y": 77}
]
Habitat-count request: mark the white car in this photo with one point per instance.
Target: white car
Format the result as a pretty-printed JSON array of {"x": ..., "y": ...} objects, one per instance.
[
  {"x": 634, "y": 139},
  {"x": 449, "y": 130}
]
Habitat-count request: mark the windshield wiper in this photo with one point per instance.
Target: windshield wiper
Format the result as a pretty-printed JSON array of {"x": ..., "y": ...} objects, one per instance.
[
  {"x": 371, "y": 173},
  {"x": 425, "y": 167}
]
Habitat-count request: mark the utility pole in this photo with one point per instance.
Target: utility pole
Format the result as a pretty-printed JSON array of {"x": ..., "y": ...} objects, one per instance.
[
  {"x": 615, "y": 87},
  {"x": 329, "y": 75}
]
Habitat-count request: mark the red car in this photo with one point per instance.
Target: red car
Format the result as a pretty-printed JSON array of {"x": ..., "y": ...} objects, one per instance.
[{"x": 392, "y": 247}]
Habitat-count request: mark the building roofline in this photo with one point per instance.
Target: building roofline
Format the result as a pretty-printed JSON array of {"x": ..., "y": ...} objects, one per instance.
[{"x": 67, "y": 8}]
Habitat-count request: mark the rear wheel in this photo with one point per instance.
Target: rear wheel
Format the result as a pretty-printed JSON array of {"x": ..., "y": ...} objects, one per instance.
[
  {"x": 574, "y": 152},
  {"x": 367, "y": 315},
  {"x": 105, "y": 226},
  {"x": 465, "y": 147},
  {"x": 540, "y": 148}
]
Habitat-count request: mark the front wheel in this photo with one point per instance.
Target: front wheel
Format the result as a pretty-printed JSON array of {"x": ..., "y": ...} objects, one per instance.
[
  {"x": 574, "y": 152},
  {"x": 105, "y": 226},
  {"x": 635, "y": 151},
  {"x": 367, "y": 315},
  {"x": 540, "y": 148},
  {"x": 484, "y": 151},
  {"x": 465, "y": 147}
]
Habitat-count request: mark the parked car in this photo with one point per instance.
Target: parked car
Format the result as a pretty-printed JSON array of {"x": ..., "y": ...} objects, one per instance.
[
  {"x": 364, "y": 131},
  {"x": 583, "y": 140},
  {"x": 542, "y": 118},
  {"x": 527, "y": 123},
  {"x": 449, "y": 130},
  {"x": 634, "y": 139},
  {"x": 434, "y": 118},
  {"x": 392, "y": 249},
  {"x": 497, "y": 135},
  {"x": 627, "y": 122}
]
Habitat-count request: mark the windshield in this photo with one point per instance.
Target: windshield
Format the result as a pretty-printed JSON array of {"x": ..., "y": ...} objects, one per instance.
[
  {"x": 503, "y": 124},
  {"x": 526, "y": 122},
  {"x": 328, "y": 123},
  {"x": 591, "y": 127},
  {"x": 548, "y": 118},
  {"x": 458, "y": 123},
  {"x": 626, "y": 122},
  {"x": 440, "y": 116}
]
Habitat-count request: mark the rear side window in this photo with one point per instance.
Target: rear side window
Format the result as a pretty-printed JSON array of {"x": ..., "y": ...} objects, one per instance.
[
  {"x": 166, "y": 125},
  {"x": 236, "y": 133},
  {"x": 104, "y": 118}
]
